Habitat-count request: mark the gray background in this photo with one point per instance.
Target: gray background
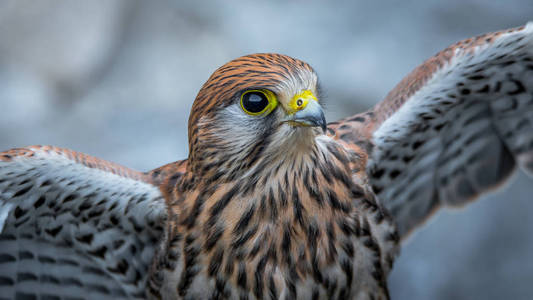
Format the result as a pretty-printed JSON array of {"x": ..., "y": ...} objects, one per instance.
[{"x": 116, "y": 79}]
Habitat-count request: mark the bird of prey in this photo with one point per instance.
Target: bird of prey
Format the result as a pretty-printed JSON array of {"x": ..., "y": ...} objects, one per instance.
[{"x": 272, "y": 201}]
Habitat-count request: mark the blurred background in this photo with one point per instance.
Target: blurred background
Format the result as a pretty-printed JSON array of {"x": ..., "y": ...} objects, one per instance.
[{"x": 116, "y": 79}]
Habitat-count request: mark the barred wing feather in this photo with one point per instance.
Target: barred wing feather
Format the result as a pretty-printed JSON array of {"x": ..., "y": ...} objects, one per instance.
[
  {"x": 453, "y": 129},
  {"x": 73, "y": 226}
]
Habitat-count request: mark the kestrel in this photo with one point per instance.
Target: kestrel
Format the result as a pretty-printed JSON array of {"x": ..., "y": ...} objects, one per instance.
[{"x": 272, "y": 202}]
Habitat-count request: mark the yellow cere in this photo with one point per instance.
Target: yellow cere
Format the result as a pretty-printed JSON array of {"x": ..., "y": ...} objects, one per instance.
[
  {"x": 300, "y": 100},
  {"x": 272, "y": 102}
]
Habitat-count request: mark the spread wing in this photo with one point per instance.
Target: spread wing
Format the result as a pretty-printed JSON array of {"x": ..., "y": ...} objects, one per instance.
[
  {"x": 73, "y": 226},
  {"x": 454, "y": 128}
]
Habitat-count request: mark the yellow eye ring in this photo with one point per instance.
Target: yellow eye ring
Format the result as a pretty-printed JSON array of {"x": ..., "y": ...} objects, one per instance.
[{"x": 258, "y": 102}]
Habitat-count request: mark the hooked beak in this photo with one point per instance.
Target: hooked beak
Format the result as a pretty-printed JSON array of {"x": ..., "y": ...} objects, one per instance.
[
  {"x": 311, "y": 115},
  {"x": 304, "y": 110}
]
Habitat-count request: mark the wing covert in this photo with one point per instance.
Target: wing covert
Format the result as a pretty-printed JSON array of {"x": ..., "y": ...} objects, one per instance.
[
  {"x": 72, "y": 225},
  {"x": 451, "y": 130}
]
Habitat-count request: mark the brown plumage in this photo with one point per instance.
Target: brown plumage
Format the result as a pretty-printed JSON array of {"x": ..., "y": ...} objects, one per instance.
[
  {"x": 262, "y": 216},
  {"x": 271, "y": 203}
]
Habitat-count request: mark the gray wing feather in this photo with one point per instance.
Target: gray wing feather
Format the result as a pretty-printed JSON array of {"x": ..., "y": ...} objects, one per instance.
[
  {"x": 73, "y": 226},
  {"x": 456, "y": 127}
]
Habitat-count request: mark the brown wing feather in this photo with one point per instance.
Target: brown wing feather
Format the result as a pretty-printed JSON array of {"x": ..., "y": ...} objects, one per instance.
[
  {"x": 451, "y": 130},
  {"x": 167, "y": 176},
  {"x": 84, "y": 159},
  {"x": 420, "y": 76}
]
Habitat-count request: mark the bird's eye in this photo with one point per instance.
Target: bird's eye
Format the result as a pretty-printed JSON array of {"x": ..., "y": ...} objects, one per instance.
[{"x": 257, "y": 102}]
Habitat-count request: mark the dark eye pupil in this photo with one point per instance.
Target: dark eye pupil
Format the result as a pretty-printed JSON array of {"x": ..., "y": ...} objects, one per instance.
[{"x": 254, "y": 102}]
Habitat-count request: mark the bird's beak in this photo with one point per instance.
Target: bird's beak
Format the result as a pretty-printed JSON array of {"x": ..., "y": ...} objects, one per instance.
[{"x": 304, "y": 110}]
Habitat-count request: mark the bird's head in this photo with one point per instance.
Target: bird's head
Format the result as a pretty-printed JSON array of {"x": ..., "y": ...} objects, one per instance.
[{"x": 255, "y": 105}]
